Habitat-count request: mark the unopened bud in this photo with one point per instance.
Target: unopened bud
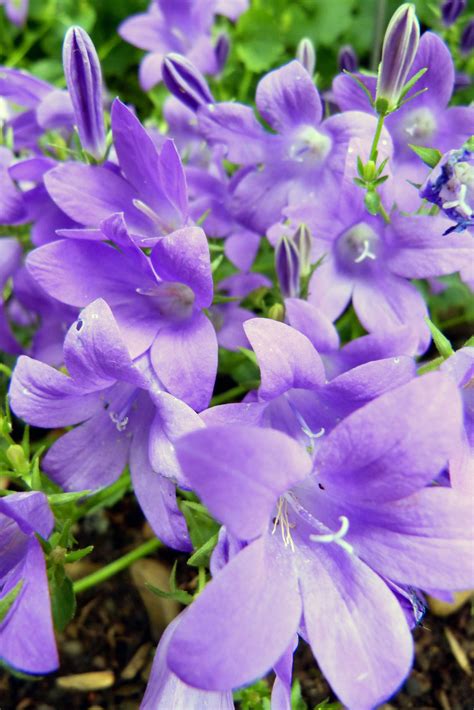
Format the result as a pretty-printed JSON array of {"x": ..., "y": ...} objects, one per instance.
[
  {"x": 306, "y": 55},
  {"x": 221, "y": 50},
  {"x": 277, "y": 312},
  {"x": 347, "y": 59},
  {"x": 287, "y": 266},
  {"x": 185, "y": 81},
  {"x": 16, "y": 457},
  {"x": 84, "y": 83},
  {"x": 399, "y": 49},
  {"x": 304, "y": 242},
  {"x": 451, "y": 9},
  {"x": 467, "y": 38}
]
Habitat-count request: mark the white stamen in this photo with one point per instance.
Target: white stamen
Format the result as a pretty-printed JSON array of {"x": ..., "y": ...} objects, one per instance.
[
  {"x": 281, "y": 519},
  {"x": 460, "y": 203},
  {"x": 366, "y": 253},
  {"x": 121, "y": 424}
]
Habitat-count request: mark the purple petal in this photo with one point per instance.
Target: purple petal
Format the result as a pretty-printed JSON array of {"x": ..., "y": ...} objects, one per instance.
[
  {"x": 184, "y": 356},
  {"x": 313, "y": 324},
  {"x": 150, "y": 70},
  {"x": 236, "y": 127},
  {"x": 22, "y": 88},
  {"x": 210, "y": 650},
  {"x": 330, "y": 290},
  {"x": 240, "y": 471},
  {"x": 286, "y": 357},
  {"x": 30, "y": 511},
  {"x": 370, "y": 452},
  {"x": 287, "y": 97}
]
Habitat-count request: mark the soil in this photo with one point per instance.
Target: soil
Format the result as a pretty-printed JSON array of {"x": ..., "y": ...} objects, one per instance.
[{"x": 111, "y": 627}]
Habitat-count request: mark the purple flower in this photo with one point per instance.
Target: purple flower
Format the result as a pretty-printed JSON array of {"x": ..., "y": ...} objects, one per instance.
[
  {"x": 166, "y": 690},
  {"x": 451, "y": 9},
  {"x": 84, "y": 82},
  {"x": 328, "y": 534},
  {"x": 10, "y": 259},
  {"x": 287, "y": 267},
  {"x": 303, "y": 155},
  {"x": 467, "y": 38},
  {"x": 16, "y": 10},
  {"x": 12, "y": 208},
  {"x": 27, "y": 641},
  {"x": 181, "y": 26},
  {"x": 124, "y": 416},
  {"x": 450, "y": 185},
  {"x": 370, "y": 263},
  {"x": 46, "y": 108},
  {"x": 185, "y": 82},
  {"x": 347, "y": 59},
  {"x": 158, "y": 301},
  {"x": 306, "y": 55},
  {"x": 149, "y": 187}
]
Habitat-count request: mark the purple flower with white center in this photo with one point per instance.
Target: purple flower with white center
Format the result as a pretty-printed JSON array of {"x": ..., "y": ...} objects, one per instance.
[
  {"x": 166, "y": 690},
  {"x": 228, "y": 318},
  {"x": 16, "y": 10},
  {"x": 124, "y": 417},
  {"x": 158, "y": 301},
  {"x": 321, "y": 533},
  {"x": 27, "y": 641},
  {"x": 370, "y": 262},
  {"x": 460, "y": 367},
  {"x": 182, "y": 26},
  {"x": 46, "y": 108},
  {"x": 450, "y": 185},
  {"x": 149, "y": 188},
  {"x": 304, "y": 154},
  {"x": 84, "y": 82},
  {"x": 424, "y": 121}
]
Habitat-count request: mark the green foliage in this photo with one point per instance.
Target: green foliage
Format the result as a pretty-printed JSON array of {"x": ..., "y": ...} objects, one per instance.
[{"x": 7, "y": 601}]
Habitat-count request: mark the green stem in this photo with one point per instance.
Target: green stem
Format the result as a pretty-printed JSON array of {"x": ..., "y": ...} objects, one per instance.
[
  {"x": 233, "y": 393},
  {"x": 384, "y": 213},
  {"x": 117, "y": 566},
  {"x": 375, "y": 142}
]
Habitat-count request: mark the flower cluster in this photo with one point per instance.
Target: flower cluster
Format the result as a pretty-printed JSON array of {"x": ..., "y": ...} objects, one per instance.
[{"x": 143, "y": 271}]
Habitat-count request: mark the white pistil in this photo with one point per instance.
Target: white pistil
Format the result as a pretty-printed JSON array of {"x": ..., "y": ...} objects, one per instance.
[
  {"x": 281, "y": 519},
  {"x": 366, "y": 253},
  {"x": 337, "y": 537}
]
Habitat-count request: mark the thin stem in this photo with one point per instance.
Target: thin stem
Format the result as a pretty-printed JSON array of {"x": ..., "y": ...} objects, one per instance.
[
  {"x": 375, "y": 142},
  {"x": 384, "y": 213},
  {"x": 233, "y": 393},
  {"x": 117, "y": 566}
]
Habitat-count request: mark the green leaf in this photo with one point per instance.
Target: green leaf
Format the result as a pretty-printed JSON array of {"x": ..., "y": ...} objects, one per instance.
[
  {"x": 201, "y": 557},
  {"x": 430, "y": 156},
  {"x": 200, "y": 524},
  {"x": 179, "y": 595},
  {"x": 469, "y": 343},
  {"x": 443, "y": 345},
  {"x": 258, "y": 43},
  {"x": 8, "y": 600},
  {"x": 77, "y": 555},
  {"x": 63, "y": 600}
]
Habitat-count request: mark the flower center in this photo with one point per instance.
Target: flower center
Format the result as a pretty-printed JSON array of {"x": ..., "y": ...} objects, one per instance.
[
  {"x": 281, "y": 520},
  {"x": 358, "y": 245},
  {"x": 420, "y": 126},
  {"x": 173, "y": 300},
  {"x": 309, "y": 146}
]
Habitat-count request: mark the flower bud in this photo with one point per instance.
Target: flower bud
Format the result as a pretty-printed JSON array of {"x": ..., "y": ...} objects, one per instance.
[
  {"x": 399, "y": 49},
  {"x": 304, "y": 242},
  {"x": 185, "y": 81},
  {"x": 451, "y": 9},
  {"x": 287, "y": 266},
  {"x": 461, "y": 81},
  {"x": 467, "y": 38},
  {"x": 221, "y": 50},
  {"x": 347, "y": 59},
  {"x": 306, "y": 55},
  {"x": 84, "y": 83}
]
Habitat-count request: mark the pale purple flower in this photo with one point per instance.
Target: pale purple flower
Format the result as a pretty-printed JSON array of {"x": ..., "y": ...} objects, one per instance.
[
  {"x": 16, "y": 10},
  {"x": 27, "y": 641},
  {"x": 10, "y": 260},
  {"x": 125, "y": 417}
]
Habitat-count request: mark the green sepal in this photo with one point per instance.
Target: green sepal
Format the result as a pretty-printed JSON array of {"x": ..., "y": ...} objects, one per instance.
[
  {"x": 362, "y": 86},
  {"x": 200, "y": 524},
  {"x": 382, "y": 106},
  {"x": 201, "y": 557},
  {"x": 179, "y": 595},
  {"x": 77, "y": 555},
  {"x": 431, "y": 366},
  {"x": 8, "y": 600},
  {"x": 410, "y": 84},
  {"x": 63, "y": 600},
  {"x": 430, "y": 156},
  {"x": 469, "y": 343},
  {"x": 224, "y": 299},
  {"x": 443, "y": 345}
]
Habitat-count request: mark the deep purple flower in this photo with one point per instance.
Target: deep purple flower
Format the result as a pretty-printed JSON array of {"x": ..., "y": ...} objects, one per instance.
[
  {"x": 450, "y": 185},
  {"x": 467, "y": 38},
  {"x": 158, "y": 301},
  {"x": 182, "y": 26},
  {"x": 347, "y": 59},
  {"x": 16, "y": 10},
  {"x": 12, "y": 207},
  {"x": 149, "y": 188},
  {"x": 125, "y": 417},
  {"x": 84, "y": 82},
  {"x": 185, "y": 82},
  {"x": 303, "y": 156},
  {"x": 46, "y": 108},
  {"x": 27, "y": 641},
  {"x": 10, "y": 259},
  {"x": 451, "y": 9},
  {"x": 287, "y": 267},
  {"x": 222, "y": 50},
  {"x": 370, "y": 262},
  {"x": 321, "y": 520}
]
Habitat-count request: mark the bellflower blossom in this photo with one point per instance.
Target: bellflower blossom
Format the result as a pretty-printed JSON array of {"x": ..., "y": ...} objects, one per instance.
[
  {"x": 124, "y": 416},
  {"x": 303, "y": 155},
  {"x": 16, "y": 10},
  {"x": 10, "y": 259},
  {"x": 149, "y": 187},
  {"x": 321, "y": 531},
  {"x": 370, "y": 262},
  {"x": 182, "y": 26},
  {"x": 27, "y": 641},
  {"x": 158, "y": 301}
]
